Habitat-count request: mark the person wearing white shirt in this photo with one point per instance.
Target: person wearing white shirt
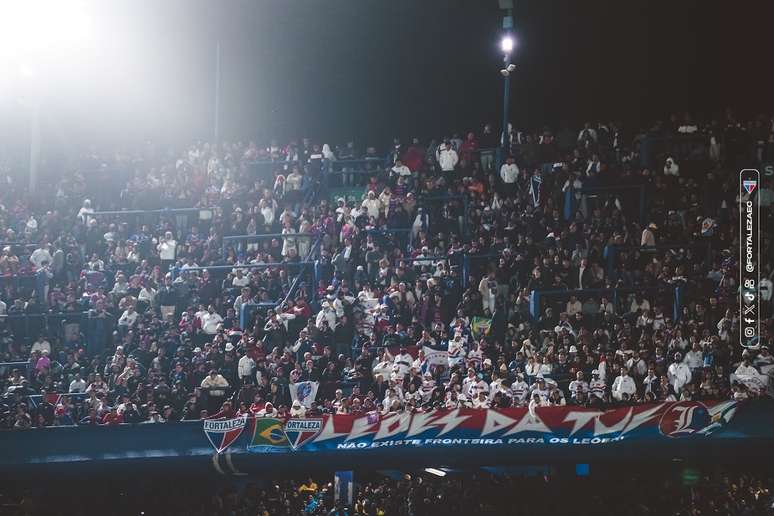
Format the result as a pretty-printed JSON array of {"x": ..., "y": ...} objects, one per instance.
[
  {"x": 519, "y": 390},
  {"x": 623, "y": 385},
  {"x": 129, "y": 317},
  {"x": 41, "y": 345},
  {"x": 40, "y": 256},
  {"x": 694, "y": 358},
  {"x": 78, "y": 385},
  {"x": 210, "y": 321},
  {"x": 679, "y": 374},
  {"x": 456, "y": 350},
  {"x": 573, "y": 306},
  {"x": 85, "y": 211},
  {"x": 536, "y": 401},
  {"x": 746, "y": 368},
  {"x": 671, "y": 168},
  {"x": 481, "y": 401},
  {"x": 327, "y": 313},
  {"x": 651, "y": 382},
  {"x": 578, "y": 385},
  {"x": 637, "y": 365},
  {"x": 147, "y": 295},
  {"x": 403, "y": 362},
  {"x": 648, "y": 237},
  {"x": 245, "y": 367},
  {"x": 240, "y": 279},
  {"x": 167, "y": 247},
  {"x": 587, "y": 135},
  {"x": 400, "y": 169},
  {"x": 447, "y": 157},
  {"x": 509, "y": 171},
  {"x": 267, "y": 411},
  {"x": 372, "y": 205},
  {"x": 215, "y": 384}
]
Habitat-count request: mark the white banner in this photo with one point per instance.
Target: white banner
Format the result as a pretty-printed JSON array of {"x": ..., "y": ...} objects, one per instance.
[
  {"x": 304, "y": 392},
  {"x": 757, "y": 383},
  {"x": 435, "y": 356}
]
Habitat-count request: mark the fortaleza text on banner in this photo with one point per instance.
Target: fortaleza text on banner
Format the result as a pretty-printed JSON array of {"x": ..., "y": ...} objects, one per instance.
[{"x": 472, "y": 427}]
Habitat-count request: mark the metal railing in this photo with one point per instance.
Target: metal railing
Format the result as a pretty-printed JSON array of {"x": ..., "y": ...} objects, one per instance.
[{"x": 614, "y": 295}]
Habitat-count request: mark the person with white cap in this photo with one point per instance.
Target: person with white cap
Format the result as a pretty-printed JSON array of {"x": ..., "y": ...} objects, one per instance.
[{"x": 540, "y": 387}]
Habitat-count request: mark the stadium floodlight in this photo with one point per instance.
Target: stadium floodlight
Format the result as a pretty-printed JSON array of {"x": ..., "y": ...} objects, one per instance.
[
  {"x": 506, "y": 44},
  {"x": 34, "y": 36},
  {"x": 33, "y": 31},
  {"x": 436, "y": 472}
]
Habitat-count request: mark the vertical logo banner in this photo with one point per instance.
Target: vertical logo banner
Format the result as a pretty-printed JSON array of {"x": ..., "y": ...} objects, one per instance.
[{"x": 749, "y": 259}]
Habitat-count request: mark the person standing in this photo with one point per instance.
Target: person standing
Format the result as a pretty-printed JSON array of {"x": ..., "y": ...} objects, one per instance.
[
  {"x": 167, "y": 247},
  {"x": 447, "y": 157},
  {"x": 509, "y": 172}
]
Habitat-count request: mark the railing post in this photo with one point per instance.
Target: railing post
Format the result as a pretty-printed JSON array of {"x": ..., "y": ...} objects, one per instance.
[
  {"x": 534, "y": 305},
  {"x": 465, "y": 270},
  {"x": 677, "y": 305}
]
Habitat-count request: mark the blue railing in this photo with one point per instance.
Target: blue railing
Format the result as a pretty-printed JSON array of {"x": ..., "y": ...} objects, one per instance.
[{"x": 615, "y": 296}]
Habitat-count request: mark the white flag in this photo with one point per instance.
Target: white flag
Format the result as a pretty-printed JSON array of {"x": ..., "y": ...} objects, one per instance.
[
  {"x": 434, "y": 357},
  {"x": 304, "y": 392}
]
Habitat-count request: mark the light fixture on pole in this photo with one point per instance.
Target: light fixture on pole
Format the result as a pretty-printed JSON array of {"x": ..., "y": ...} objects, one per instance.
[{"x": 507, "y": 43}]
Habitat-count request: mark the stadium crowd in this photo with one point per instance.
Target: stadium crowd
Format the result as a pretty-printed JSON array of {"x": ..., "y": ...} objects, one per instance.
[
  {"x": 656, "y": 493},
  {"x": 138, "y": 317}
]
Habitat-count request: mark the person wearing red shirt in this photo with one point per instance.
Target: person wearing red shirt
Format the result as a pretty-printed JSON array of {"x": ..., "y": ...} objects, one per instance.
[
  {"x": 112, "y": 417},
  {"x": 226, "y": 412},
  {"x": 469, "y": 148}
]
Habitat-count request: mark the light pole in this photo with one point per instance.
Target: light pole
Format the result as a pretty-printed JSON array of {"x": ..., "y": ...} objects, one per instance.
[{"x": 506, "y": 45}]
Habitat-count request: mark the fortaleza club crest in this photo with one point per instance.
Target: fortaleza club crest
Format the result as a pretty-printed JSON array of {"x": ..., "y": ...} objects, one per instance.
[
  {"x": 223, "y": 432},
  {"x": 301, "y": 431}
]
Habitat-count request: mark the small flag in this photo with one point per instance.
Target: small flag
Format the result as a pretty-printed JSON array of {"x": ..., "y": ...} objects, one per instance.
[
  {"x": 304, "y": 392},
  {"x": 479, "y": 326},
  {"x": 268, "y": 432},
  {"x": 749, "y": 185}
]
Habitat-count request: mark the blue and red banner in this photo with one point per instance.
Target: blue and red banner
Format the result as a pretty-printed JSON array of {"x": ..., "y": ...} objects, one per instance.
[
  {"x": 716, "y": 431},
  {"x": 495, "y": 427}
]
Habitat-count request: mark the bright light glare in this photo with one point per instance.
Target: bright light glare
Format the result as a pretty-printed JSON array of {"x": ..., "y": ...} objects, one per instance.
[
  {"x": 26, "y": 71},
  {"x": 436, "y": 472},
  {"x": 32, "y": 31},
  {"x": 507, "y": 44}
]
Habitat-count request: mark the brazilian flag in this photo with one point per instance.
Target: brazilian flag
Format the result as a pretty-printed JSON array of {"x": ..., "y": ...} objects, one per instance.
[{"x": 269, "y": 433}]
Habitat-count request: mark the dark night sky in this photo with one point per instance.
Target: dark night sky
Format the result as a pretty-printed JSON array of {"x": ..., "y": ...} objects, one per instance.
[{"x": 369, "y": 69}]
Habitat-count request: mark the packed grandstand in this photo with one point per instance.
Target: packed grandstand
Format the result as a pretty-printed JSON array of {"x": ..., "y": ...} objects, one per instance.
[{"x": 592, "y": 267}]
